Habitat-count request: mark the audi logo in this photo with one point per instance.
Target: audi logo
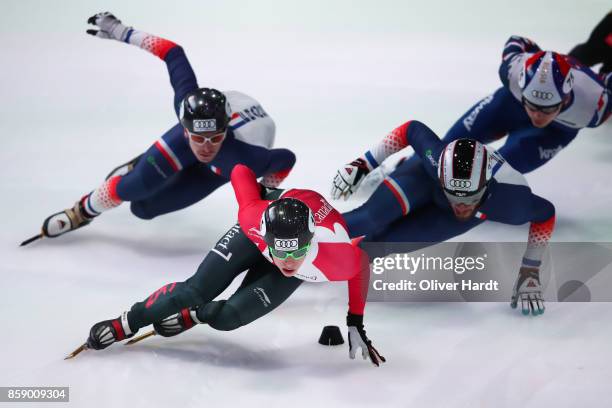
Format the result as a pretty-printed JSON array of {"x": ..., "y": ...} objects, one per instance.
[
  {"x": 460, "y": 183},
  {"x": 542, "y": 95},
  {"x": 285, "y": 244},
  {"x": 203, "y": 125}
]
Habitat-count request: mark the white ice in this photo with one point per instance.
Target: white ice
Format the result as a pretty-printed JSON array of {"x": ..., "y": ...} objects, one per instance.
[{"x": 335, "y": 76}]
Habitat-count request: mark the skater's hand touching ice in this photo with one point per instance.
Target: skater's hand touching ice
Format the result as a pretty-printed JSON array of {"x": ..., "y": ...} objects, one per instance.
[
  {"x": 528, "y": 291},
  {"x": 358, "y": 339}
]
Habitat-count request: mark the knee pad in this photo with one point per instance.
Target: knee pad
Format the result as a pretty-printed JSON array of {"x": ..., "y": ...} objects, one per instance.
[
  {"x": 138, "y": 208},
  {"x": 220, "y": 316}
]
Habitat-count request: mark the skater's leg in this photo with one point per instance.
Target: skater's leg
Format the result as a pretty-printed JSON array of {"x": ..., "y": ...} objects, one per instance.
[
  {"x": 262, "y": 291},
  {"x": 182, "y": 190},
  {"x": 233, "y": 254}
]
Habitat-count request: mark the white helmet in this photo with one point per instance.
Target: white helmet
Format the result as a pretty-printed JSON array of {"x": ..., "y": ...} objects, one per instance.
[
  {"x": 546, "y": 79},
  {"x": 465, "y": 168}
]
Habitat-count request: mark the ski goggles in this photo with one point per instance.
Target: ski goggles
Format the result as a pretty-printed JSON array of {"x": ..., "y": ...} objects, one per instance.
[
  {"x": 213, "y": 139},
  {"x": 297, "y": 254},
  {"x": 544, "y": 109}
]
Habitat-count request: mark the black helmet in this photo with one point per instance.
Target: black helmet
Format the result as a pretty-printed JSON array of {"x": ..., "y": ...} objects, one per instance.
[
  {"x": 287, "y": 225},
  {"x": 204, "y": 110}
]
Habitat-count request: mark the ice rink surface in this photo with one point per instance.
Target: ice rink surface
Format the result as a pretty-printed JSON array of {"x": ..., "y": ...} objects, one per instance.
[{"x": 336, "y": 77}]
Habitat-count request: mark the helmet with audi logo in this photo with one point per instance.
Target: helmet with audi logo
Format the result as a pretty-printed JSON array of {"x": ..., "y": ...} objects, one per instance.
[
  {"x": 204, "y": 110},
  {"x": 287, "y": 225},
  {"x": 546, "y": 79},
  {"x": 465, "y": 168}
]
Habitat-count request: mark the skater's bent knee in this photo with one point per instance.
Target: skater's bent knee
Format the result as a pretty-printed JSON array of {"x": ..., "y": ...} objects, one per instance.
[
  {"x": 139, "y": 209},
  {"x": 221, "y": 316}
]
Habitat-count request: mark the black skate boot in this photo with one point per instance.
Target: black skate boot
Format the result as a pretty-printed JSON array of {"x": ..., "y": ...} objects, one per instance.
[
  {"x": 107, "y": 332},
  {"x": 177, "y": 323}
]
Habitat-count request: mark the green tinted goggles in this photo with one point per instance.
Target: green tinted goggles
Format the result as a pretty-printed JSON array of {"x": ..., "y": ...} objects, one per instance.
[{"x": 297, "y": 254}]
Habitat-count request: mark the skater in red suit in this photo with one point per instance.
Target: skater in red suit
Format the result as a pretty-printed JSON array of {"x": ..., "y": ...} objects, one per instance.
[{"x": 283, "y": 239}]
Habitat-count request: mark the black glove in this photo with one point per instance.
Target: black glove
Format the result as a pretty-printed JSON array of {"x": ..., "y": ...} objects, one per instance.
[{"x": 357, "y": 338}]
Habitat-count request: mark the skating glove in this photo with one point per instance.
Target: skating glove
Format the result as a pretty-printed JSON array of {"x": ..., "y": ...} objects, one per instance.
[
  {"x": 528, "y": 291},
  {"x": 348, "y": 179},
  {"x": 110, "y": 27},
  {"x": 357, "y": 338}
]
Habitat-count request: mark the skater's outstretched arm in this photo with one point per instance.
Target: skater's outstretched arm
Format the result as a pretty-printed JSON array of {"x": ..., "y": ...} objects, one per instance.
[
  {"x": 425, "y": 142},
  {"x": 514, "y": 47},
  {"x": 182, "y": 77},
  {"x": 527, "y": 288},
  {"x": 280, "y": 163}
]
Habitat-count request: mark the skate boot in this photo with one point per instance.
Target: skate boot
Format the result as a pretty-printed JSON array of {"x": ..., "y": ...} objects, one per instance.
[
  {"x": 177, "y": 323},
  {"x": 107, "y": 332},
  {"x": 64, "y": 221}
]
